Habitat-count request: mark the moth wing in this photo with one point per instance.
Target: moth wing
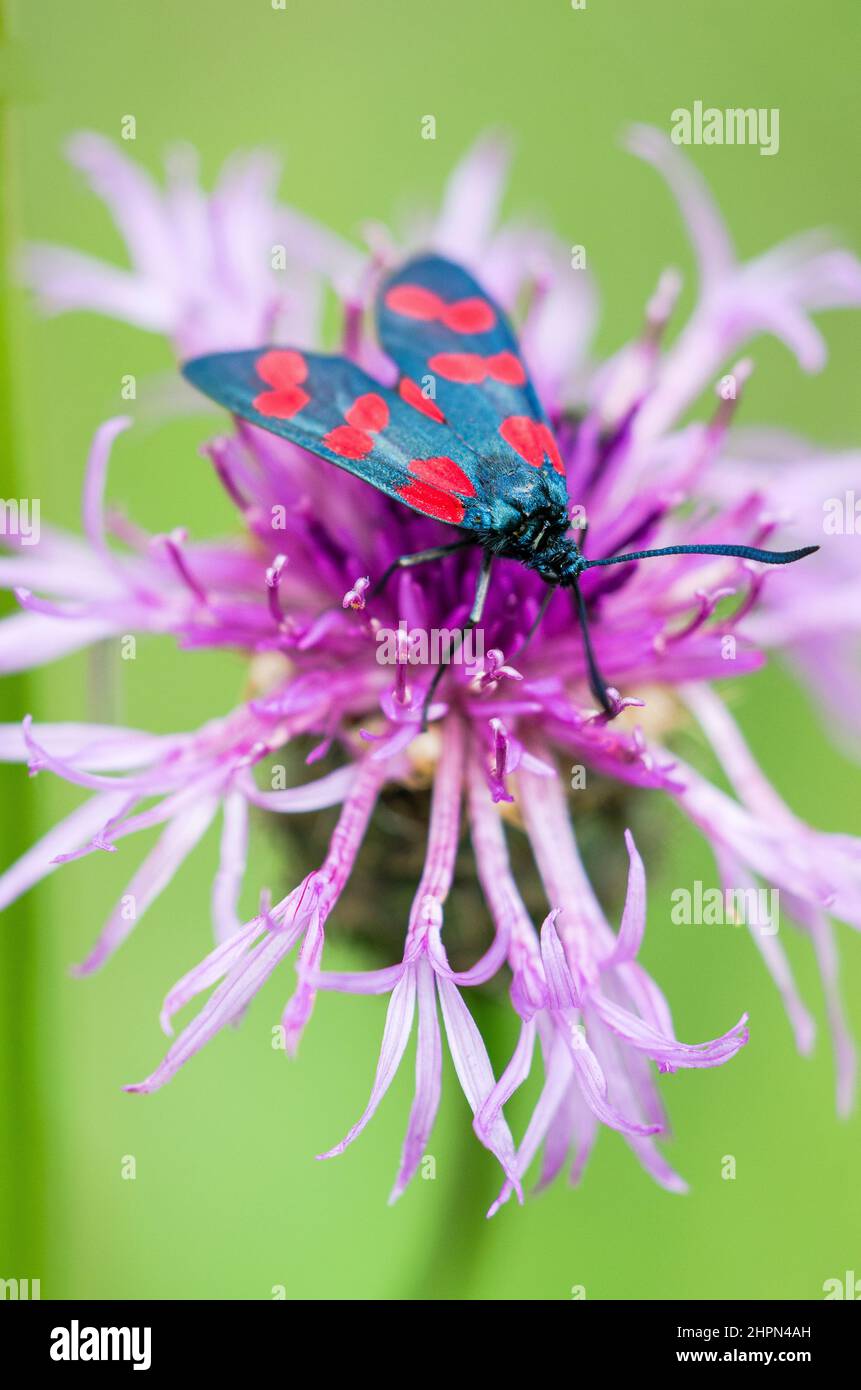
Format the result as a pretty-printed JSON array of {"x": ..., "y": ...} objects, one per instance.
[
  {"x": 451, "y": 341},
  {"x": 331, "y": 407}
]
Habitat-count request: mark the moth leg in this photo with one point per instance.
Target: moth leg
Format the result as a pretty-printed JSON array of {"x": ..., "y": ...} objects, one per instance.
[
  {"x": 419, "y": 557},
  {"x": 536, "y": 623},
  {"x": 475, "y": 613},
  {"x": 597, "y": 684}
]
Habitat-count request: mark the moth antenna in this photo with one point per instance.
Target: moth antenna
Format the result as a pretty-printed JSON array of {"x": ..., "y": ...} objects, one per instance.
[{"x": 740, "y": 552}]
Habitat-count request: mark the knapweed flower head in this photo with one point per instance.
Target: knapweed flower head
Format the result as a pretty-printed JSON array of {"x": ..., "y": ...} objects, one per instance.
[{"x": 298, "y": 590}]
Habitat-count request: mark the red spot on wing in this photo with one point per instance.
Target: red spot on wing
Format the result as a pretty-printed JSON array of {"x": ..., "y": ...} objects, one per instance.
[
  {"x": 473, "y": 315},
  {"x": 532, "y": 441},
  {"x": 465, "y": 367},
  {"x": 366, "y": 416},
  {"x": 553, "y": 451},
  {"x": 468, "y": 316},
  {"x": 469, "y": 368},
  {"x": 283, "y": 369},
  {"x": 519, "y": 432},
  {"x": 433, "y": 501},
  {"x": 442, "y": 473},
  {"x": 349, "y": 442},
  {"x": 433, "y": 487},
  {"x": 414, "y": 301},
  {"x": 369, "y": 412},
  {"x": 507, "y": 368},
  {"x": 414, "y": 396},
  {"x": 282, "y": 404}
]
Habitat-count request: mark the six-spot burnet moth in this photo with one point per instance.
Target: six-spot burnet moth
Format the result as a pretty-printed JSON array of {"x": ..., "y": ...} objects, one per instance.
[{"x": 480, "y": 454}]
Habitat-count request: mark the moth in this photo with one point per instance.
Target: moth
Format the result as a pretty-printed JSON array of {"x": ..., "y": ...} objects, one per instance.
[{"x": 476, "y": 451}]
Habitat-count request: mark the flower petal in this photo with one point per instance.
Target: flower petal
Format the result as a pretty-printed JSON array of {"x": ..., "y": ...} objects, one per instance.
[
  {"x": 399, "y": 1022},
  {"x": 428, "y": 1079}
]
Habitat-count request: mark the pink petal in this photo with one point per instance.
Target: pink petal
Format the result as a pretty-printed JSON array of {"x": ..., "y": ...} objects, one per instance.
[
  {"x": 472, "y": 1065},
  {"x": 428, "y": 1079},
  {"x": 593, "y": 1085},
  {"x": 561, "y": 990},
  {"x": 224, "y": 1005},
  {"x": 209, "y": 971},
  {"x": 399, "y": 1022},
  {"x": 153, "y": 876},
  {"x": 633, "y": 923},
  {"x": 233, "y": 855},
  {"x": 667, "y": 1050},
  {"x": 318, "y": 795},
  {"x": 76, "y": 829}
]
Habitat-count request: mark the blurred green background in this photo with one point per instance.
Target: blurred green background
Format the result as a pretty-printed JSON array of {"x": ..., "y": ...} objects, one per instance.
[{"x": 228, "y": 1200}]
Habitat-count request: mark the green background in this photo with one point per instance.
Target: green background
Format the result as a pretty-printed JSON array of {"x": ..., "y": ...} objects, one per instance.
[{"x": 228, "y": 1201}]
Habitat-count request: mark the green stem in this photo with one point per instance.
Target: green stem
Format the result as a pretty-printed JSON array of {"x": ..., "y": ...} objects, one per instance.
[{"x": 21, "y": 1129}]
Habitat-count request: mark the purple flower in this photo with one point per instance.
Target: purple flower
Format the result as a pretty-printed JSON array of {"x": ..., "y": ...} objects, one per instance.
[
  {"x": 295, "y": 594},
  {"x": 202, "y": 269}
]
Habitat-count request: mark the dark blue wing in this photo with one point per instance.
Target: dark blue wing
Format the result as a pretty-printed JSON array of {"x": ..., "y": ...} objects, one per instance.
[
  {"x": 450, "y": 339},
  {"x": 331, "y": 407}
]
